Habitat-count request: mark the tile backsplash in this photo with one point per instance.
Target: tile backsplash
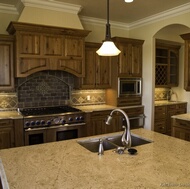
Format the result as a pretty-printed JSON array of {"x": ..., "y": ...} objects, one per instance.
[
  {"x": 49, "y": 88},
  {"x": 161, "y": 93}
]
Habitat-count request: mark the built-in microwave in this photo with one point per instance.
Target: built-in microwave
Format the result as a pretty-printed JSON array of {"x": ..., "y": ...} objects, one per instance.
[{"x": 129, "y": 86}]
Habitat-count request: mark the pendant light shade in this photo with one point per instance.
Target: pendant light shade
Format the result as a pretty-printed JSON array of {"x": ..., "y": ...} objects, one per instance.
[{"x": 108, "y": 47}]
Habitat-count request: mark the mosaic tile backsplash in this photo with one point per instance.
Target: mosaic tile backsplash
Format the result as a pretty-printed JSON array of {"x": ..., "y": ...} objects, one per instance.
[
  {"x": 49, "y": 88},
  {"x": 162, "y": 93}
]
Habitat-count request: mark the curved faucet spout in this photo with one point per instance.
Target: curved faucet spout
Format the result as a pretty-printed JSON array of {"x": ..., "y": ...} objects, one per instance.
[{"x": 126, "y": 136}]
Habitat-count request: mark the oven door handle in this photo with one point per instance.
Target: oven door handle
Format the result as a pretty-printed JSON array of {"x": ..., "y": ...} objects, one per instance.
[
  {"x": 35, "y": 129},
  {"x": 66, "y": 125},
  {"x": 137, "y": 117}
]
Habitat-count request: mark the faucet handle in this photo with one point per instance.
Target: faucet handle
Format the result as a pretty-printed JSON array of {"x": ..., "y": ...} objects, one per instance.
[{"x": 101, "y": 148}]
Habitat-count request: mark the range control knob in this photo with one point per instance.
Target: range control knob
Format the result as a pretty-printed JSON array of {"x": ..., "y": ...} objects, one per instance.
[
  {"x": 37, "y": 122},
  {"x": 81, "y": 118},
  {"x": 63, "y": 121},
  {"x": 32, "y": 122},
  {"x": 42, "y": 122},
  {"x": 70, "y": 119},
  {"x": 49, "y": 122},
  {"x": 27, "y": 123},
  {"x": 77, "y": 118}
]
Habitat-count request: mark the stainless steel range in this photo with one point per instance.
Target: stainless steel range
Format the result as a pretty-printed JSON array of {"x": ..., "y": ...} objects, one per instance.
[{"x": 50, "y": 124}]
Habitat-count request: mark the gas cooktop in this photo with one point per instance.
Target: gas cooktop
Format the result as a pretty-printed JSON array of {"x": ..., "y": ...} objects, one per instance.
[{"x": 48, "y": 110}]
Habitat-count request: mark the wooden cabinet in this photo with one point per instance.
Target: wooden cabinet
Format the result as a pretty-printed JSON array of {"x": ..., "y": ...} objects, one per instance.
[
  {"x": 40, "y": 47},
  {"x": 96, "y": 124},
  {"x": 6, "y": 134},
  {"x": 162, "y": 119},
  {"x": 167, "y": 63},
  {"x": 130, "y": 58},
  {"x": 174, "y": 109},
  {"x": 186, "y": 37},
  {"x": 181, "y": 129},
  {"x": 97, "y": 69},
  {"x": 6, "y": 63}
]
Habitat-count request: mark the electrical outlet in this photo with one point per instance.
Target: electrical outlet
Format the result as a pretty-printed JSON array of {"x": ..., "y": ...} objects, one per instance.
[{"x": 88, "y": 97}]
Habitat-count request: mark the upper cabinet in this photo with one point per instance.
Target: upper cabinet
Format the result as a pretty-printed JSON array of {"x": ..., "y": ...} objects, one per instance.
[
  {"x": 130, "y": 58},
  {"x": 97, "y": 68},
  {"x": 167, "y": 63},
  {"x": 186, "y": 37},
  {"x": 6, "y": 63},
  {"x": 40, "y": 47}
]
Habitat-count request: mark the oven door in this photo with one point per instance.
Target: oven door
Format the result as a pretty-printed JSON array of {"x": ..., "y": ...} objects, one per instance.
[
  {"x": 65, "y": 132},
  {"x": 54, "y": 133},
  {"x": 35, "y": 136}
]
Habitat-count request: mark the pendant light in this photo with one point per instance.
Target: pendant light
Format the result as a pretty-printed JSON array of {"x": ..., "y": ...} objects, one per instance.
[{"x": 108, "y": 47}]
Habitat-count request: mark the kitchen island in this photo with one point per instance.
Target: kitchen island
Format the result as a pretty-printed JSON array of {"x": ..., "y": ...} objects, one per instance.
[{"x": 163, "y": 163}]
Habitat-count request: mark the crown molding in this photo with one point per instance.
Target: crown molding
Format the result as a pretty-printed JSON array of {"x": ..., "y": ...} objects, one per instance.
[
  {"x": 148, "y": 20},
  {"x": 102, "y": 22},
  {"x": 9, "y": 9},
  {"x": 161, "y": 16},
  {"x": 53, "y": 5}
]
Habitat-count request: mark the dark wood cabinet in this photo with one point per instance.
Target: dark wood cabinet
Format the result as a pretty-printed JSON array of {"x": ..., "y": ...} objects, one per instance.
[
  {"x": 180, "y": 129},
  {"x": 97, "y": 69},
  {"x": 7, "y": 139},
  {"x": 167, "y": 63},
  {"x": 130, "y": 58},
  {"x": 6, "y": 63},
  {"x": 40, "y": 47},
  {"x": 96, "y": 121},
  {"x": 163, "y": 113}
]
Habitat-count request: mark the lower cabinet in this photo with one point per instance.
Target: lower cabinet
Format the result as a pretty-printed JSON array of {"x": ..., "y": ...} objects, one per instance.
[
  {"x": 96, "y": 121},
  {"x": 181, "y": 129},
  {"x": 163, "y": 113},
  {"x": 7, "y": 139}
]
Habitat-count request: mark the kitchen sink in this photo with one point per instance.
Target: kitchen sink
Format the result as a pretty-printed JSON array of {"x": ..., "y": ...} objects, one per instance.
[{"x": 111, "y": 142}]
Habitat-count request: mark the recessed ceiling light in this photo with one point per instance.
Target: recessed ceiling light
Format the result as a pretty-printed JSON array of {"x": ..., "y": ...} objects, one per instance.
[{"x": 128, "y": 1}]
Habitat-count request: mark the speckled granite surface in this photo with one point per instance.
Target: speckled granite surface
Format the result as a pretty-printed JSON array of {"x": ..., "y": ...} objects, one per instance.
[
  {"x": 166, "y": 102},
  {"x": 185, "y": 117},
  {"x": 165, "y": 163},
  {"x": 10, "y": 115}
]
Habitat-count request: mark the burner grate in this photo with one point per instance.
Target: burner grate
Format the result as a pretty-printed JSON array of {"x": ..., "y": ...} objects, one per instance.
[{"x": 48, "y": 110}]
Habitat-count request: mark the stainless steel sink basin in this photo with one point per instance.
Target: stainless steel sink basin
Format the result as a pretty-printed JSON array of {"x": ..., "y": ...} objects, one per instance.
[{"x": 93, "y": 143}]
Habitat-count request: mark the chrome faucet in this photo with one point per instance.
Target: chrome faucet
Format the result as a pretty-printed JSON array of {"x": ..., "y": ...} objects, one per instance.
[{"x": 126, "y": 136}]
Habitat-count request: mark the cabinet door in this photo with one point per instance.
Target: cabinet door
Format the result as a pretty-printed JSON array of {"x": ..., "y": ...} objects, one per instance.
[
  {"x": 74, "y": 47},
  {"x": 6, "y": 134},
  {"x": 53, "y": 45},
  {"x": 90, "y": 68},
  {"x": 28, "y": 44},
  {"x": 103, "y": 72},
  {"x": 181, "y": 133},
  {"x": 136, "y": 60},
  {"x": 130, "y": 60},
  {"x": 6, "y": 64}
]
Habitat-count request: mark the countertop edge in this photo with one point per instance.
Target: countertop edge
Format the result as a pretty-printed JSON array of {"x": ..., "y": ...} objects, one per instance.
[{"x": 3, "y": 177}]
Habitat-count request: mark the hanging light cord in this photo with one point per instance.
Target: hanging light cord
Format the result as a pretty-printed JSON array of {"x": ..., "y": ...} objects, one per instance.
[{"x": 108, "y": 31}]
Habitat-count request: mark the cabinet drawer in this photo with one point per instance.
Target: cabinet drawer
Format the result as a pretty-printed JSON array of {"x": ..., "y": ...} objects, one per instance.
[
  {"x": 182, "y": 123},
  {"x": 181, "y": 106},
  {"x": 159, "y": 126},
  {"x": 134, "y": 111},
  {"x": 6, "y": 122},
  {"x": 160, "y": 112}
]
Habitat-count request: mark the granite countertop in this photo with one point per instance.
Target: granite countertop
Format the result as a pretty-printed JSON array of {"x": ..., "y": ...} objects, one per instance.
[
  {"x": 10, "y": 115},
  {"x": 102, "y": 107},
  {"x": 166, "y": 102},
  {"x": 65, "y": 164},
  {"x": 185, "y": 117}
]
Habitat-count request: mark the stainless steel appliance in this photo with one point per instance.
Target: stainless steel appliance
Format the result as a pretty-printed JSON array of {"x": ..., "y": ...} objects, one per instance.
[
  {"x": 49, "y": 124},
  {"x": 129, "y": 86}
]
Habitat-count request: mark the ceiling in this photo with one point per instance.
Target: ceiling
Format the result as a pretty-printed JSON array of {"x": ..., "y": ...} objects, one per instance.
[{"x": 119, "y": 10}]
